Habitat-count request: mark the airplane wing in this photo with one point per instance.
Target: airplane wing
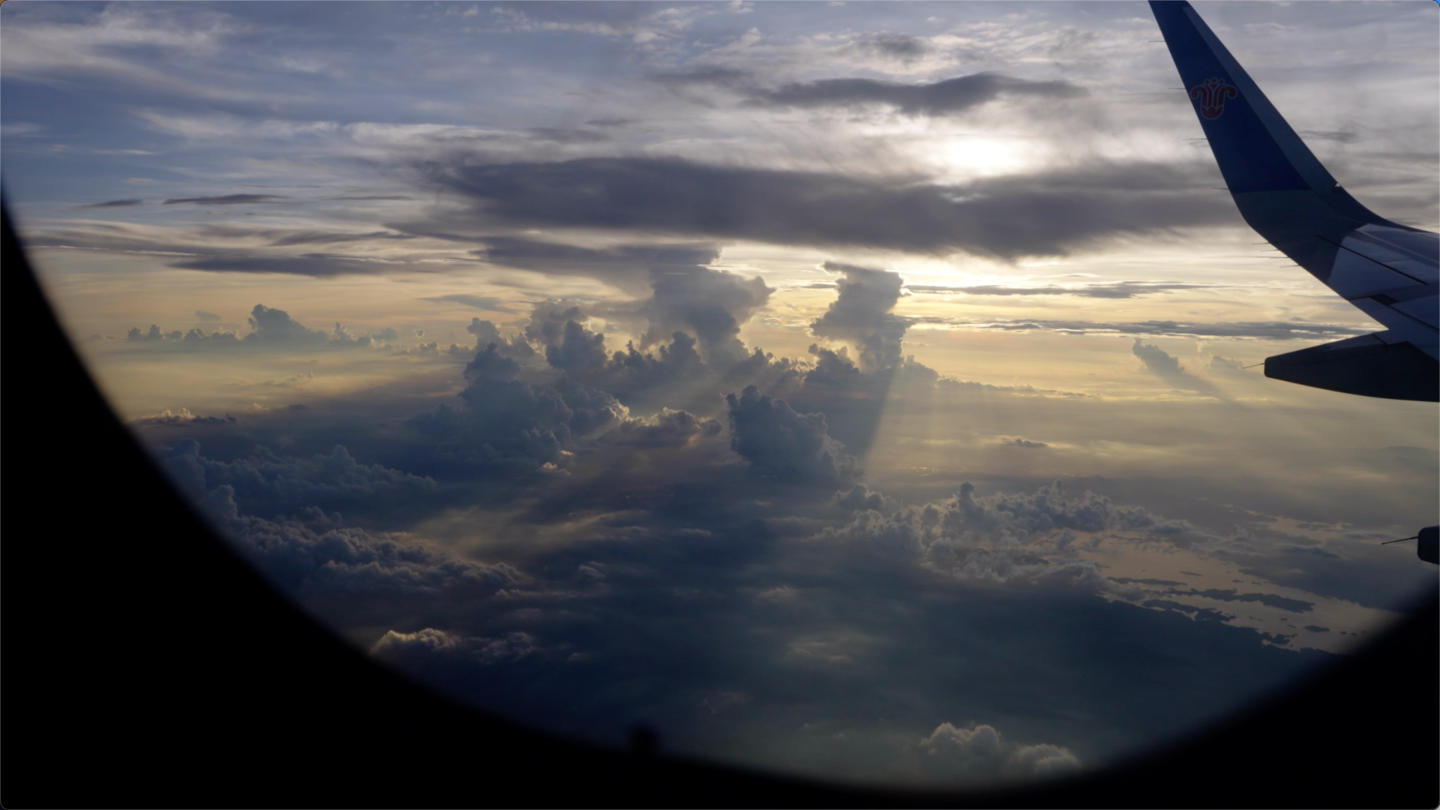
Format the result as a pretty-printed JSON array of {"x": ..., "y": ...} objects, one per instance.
[{"x": 1391, "y": 272}]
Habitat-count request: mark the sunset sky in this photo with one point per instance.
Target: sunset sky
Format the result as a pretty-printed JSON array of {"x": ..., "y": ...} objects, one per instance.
[{"x": 855, "y": 390}]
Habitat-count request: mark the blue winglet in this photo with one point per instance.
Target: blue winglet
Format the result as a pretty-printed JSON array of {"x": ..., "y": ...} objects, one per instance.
[{"x": 1257, "y": 151}]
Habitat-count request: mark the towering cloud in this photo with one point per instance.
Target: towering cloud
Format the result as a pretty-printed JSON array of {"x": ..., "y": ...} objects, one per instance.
[
  {"x": 861, "y": 316},
  {"x": 712, "y": 304},
  {"x": 1168, "y": 368}
]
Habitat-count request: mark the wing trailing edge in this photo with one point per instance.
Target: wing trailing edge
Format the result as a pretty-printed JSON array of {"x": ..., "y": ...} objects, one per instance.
[{"x": 1378, "y": 365}]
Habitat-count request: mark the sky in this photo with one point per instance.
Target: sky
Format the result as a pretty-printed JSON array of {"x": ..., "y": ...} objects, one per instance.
[{"x": 853, "y": 390}]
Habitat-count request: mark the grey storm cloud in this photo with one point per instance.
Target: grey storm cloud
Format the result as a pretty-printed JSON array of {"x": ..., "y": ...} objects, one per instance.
[
  {"x": 208, "y": 317},
  {"x": 114, "y": 204},
  {"x": 228, "y": 199},
  {"x": 939, "y": 98},
  {"x": 1005, "y": 217},
  {"x": 1168, "y": 368},
  {"x": 861, "y": 316},
  {"x": 776, "y": 440}
]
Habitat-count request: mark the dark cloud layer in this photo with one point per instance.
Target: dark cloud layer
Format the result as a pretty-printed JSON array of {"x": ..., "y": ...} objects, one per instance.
[
  {"x": 1119, "y": 289},
  {"x": 228, "y": 199},
  {"x": 940, "y": 98},
  {"x": 1263, "y": 330},
  {"x": 1005, "y": 217},
  {"x": 632, "y": 268},
  {"x": 115, "y": 204},
  {"x": 319, "y": 265}
]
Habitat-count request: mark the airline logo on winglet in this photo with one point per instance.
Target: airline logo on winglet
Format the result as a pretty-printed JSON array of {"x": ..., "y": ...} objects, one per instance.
[{"x": 1211, "y": 94}]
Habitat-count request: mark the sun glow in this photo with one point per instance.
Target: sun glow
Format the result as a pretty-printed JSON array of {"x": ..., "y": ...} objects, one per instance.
[{"x": 974, "y": 156}]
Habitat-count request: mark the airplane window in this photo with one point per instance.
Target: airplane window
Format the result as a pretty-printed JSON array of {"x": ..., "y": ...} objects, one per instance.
[{"x": 859, "y": 391}]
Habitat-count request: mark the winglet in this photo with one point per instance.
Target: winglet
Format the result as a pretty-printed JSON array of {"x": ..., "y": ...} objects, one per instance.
[{"x": 1257, "y": 151}]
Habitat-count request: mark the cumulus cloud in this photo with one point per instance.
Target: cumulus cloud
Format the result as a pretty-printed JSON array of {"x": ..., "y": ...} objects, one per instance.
[
  {"x": 631, "y": 373},
  {"x": 269, "y": 327},
  {"x": 351, "y": 575},
  {"x": 665, "y": 429},
  {"x": 486, "y": 333},
  {"x": 981, "y": 751},
  {"x": 152, "y": 336},
  {"x": 275, "y": 326},
  {"x": 181, "y": 418},
  {"x": 505, "y": 418},
  {"x": 776, "y": 440},
  {"x": 1000, "y": 537},
  {"x": 860, "y": 497},
  {"x": 419, "y": 649},
  {"x": 268, "y": 484}
]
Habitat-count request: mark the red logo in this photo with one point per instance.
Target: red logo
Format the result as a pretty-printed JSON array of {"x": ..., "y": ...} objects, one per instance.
[{"x": 1211, "y": 94}]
